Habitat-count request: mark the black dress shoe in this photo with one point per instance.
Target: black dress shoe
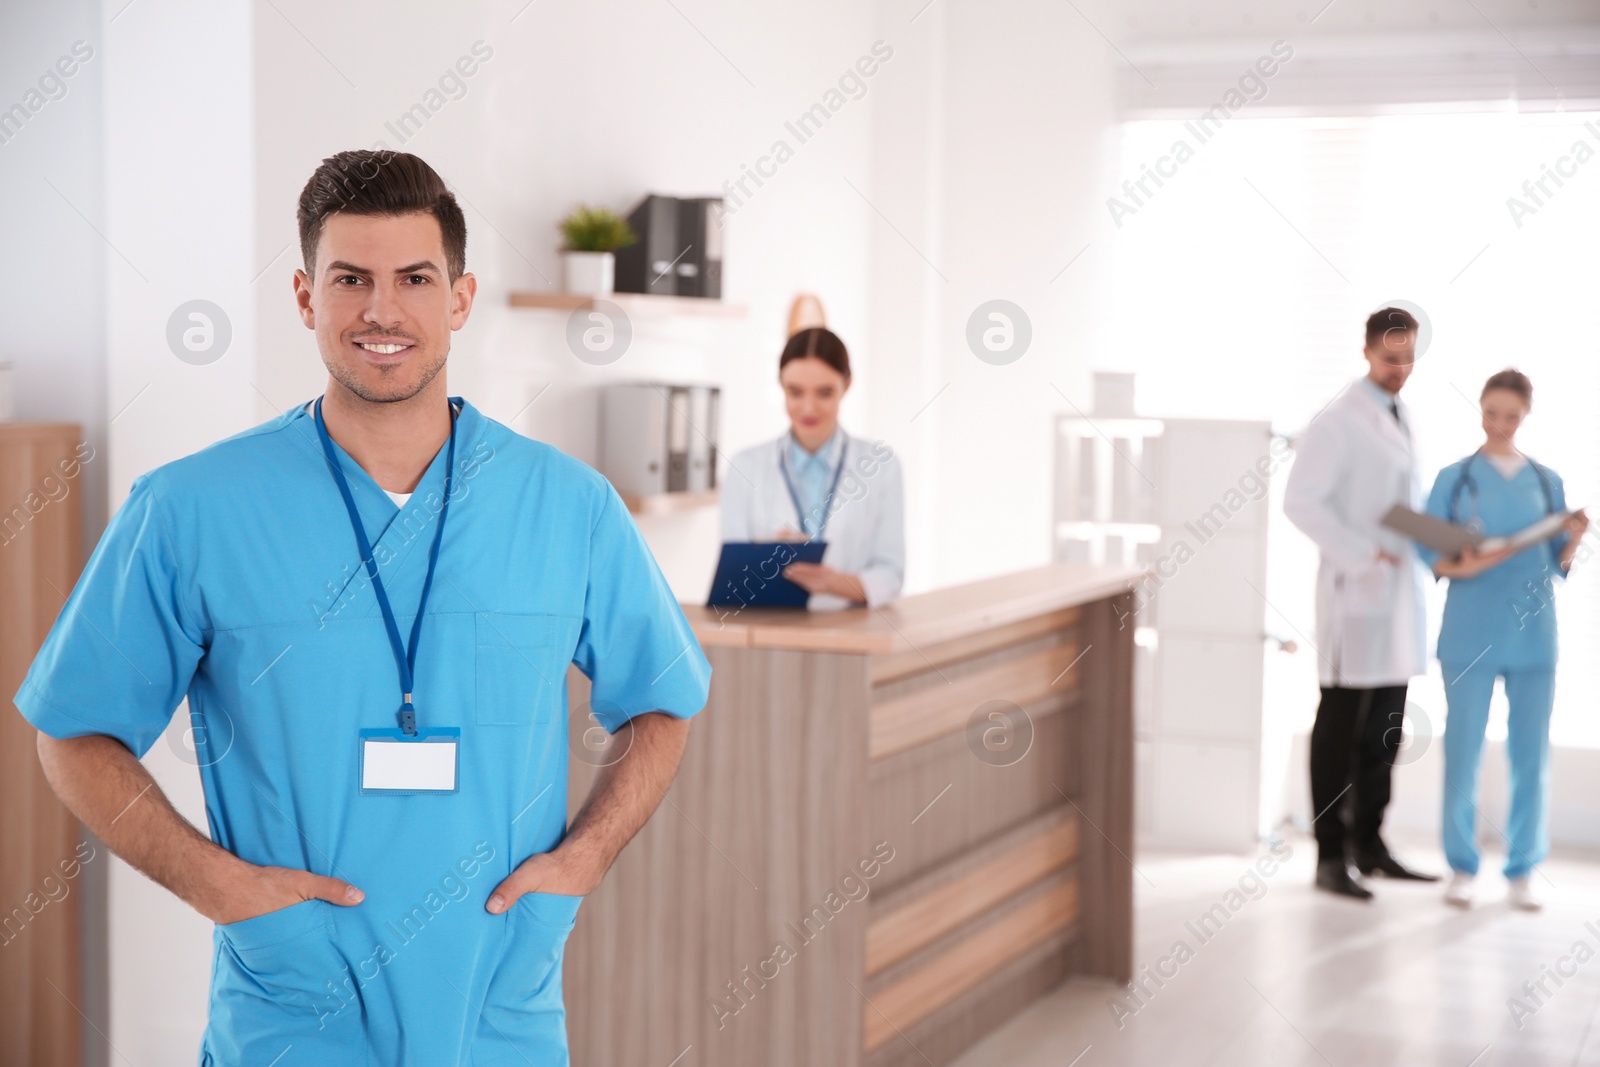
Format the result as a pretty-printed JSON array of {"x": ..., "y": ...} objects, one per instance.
[
  {"x": 1334, "y": 877},
  {"x": 1390, "y": 867}
]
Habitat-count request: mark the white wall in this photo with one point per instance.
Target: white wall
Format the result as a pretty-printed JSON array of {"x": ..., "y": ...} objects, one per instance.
[
  {"x": 52, "y": 201},
  {"x": 179, "y": 158},
  {"x": 987, "y": 174},
  {"x": 53, "y": 292}
]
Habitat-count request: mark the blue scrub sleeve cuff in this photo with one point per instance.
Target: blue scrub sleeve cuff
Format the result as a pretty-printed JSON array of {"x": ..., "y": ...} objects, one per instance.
[
  {"x": 680, "y": 690},
  {"x": 53, "y": 720}
]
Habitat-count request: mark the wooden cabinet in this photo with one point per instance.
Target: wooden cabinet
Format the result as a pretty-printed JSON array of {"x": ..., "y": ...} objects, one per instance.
[
  {"x": 41, "y": 553},
  {"x": 891, "y": 831}
]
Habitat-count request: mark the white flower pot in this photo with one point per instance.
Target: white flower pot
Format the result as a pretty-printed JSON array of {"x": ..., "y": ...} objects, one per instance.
[{"x": 590, "y": 273}]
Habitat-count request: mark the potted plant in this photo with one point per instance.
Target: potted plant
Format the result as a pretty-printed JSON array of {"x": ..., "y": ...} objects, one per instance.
[{"x": 592, "y": 236}]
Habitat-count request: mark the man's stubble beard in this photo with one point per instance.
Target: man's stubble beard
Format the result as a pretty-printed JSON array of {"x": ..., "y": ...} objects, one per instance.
[{"x": 352, "y": 382}]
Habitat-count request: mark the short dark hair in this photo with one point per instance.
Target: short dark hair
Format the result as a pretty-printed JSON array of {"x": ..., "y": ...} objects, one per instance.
[
  {"x": 1511, "y": 380},
  {"x": 818, "y": 342},
  {"x": 1380, "y": 322},
  {"x": 369, "y": 182}
]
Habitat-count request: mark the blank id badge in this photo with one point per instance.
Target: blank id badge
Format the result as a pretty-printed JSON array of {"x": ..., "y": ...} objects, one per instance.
[{"x": 394, "y": 764}]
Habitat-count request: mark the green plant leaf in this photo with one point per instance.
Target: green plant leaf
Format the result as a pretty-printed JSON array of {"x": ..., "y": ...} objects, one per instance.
[{"x": 596, "y": 230}]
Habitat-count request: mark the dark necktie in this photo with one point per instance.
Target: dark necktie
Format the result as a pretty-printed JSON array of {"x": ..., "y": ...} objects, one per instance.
[{"x": 1394, "y": 409}]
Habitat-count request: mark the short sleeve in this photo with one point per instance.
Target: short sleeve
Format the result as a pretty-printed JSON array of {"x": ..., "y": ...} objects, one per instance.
[
  {"x": 635, "y": 646},
  {"x": 1558, "y": 501},
  {"x": 1438, "y": 506},
  {"x": 121, "y": 655}
]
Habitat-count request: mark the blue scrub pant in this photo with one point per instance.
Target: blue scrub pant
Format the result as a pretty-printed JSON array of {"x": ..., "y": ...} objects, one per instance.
[{"x": 1530, "y": 692}]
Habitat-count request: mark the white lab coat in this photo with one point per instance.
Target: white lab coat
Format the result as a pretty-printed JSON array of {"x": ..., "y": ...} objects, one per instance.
[
  {"x": 866, "y": 529},
  {"x": 1352, "y": 464}
]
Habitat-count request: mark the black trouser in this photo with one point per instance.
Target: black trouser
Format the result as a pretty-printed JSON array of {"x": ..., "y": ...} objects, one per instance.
[{"x": 1353, "y": 745}]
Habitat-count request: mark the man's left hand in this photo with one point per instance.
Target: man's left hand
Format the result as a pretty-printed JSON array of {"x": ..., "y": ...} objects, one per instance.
[
  {"x": 546, "y": 872},
  {"x": 821, "y": 578}
]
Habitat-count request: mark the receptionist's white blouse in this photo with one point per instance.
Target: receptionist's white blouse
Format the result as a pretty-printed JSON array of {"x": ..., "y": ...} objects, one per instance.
[{"x": 851, "y": 489}]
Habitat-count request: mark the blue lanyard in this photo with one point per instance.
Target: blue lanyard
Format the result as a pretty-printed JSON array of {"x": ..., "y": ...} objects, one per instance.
[
  {"x": 788, "y": 480},
  {"x": 405, "y": 658}
]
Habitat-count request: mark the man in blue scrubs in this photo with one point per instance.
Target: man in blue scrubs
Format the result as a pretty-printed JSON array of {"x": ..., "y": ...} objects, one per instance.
[{"x": 388, "y": 863}]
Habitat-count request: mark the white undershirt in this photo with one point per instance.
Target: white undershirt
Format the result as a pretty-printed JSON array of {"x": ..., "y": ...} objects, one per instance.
[
  {"x": 1508, "y": 466},
  {"x": 399, "y": 499}
]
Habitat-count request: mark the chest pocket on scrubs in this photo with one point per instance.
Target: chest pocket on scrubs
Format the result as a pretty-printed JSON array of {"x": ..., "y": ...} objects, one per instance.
[{"x": 521, "y": 667}]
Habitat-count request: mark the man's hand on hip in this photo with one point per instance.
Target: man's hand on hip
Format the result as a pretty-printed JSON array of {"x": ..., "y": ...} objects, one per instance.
[
  {"x": 248, "y": 891},
  {"x": 624, "y": 794},
  {"x": 547, "y": 872}
]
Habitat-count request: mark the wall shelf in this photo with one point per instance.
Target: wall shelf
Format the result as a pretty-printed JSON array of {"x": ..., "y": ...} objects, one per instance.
[
  {"x": 637, "y": 304},
  {"x": 670, "y": 503}
]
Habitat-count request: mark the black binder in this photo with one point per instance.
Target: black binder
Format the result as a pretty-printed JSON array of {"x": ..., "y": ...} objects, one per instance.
[
  {"x": 700, "y": 270},
  {"x": 647, "y": 265}
]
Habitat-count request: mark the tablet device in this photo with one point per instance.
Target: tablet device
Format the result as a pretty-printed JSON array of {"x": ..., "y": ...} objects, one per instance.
[{"x": 749, "y": 574}]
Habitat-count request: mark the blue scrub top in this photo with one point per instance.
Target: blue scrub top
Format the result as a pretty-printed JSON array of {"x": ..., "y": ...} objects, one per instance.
[
  {"x": 232, "y": 577},
  {"x": 1507, "y": 614}
]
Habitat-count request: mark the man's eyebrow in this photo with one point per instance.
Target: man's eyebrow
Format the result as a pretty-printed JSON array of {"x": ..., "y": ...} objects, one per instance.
[{"x": 411, "y": 268}]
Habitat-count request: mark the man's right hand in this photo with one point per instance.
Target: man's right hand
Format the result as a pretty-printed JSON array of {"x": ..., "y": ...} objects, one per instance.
[
  {"x": 248, "y": 891},
  {"x": 110, "y": 791}
]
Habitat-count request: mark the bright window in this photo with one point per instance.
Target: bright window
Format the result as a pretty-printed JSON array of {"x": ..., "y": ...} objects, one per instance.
[{"x": 1267, "y": 249}]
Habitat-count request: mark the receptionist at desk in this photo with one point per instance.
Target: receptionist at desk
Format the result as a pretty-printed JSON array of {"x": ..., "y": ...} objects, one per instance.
[{"x": 818, "y": 483}]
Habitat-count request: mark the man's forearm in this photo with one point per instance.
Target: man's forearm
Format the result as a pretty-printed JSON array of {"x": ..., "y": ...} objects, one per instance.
[
  {"x": 111, "y": 793},
  {"x": 626, "y": 793}
]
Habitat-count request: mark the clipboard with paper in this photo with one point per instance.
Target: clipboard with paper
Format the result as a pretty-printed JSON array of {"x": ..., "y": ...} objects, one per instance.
[{"x": 1449, "y": 538}]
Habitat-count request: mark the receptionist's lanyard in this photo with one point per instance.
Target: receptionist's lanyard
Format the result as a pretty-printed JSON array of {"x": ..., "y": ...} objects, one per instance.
[
  {"x": 794, "y": 495},
  {"x": 405, "y": 657}
]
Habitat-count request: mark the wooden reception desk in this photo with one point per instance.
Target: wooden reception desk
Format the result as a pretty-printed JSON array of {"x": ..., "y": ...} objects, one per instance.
[{"x": 891, "y": 831}]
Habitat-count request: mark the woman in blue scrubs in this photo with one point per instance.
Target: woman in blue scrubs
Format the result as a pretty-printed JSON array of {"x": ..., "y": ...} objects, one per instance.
[{"x": 1500, "y": 622}]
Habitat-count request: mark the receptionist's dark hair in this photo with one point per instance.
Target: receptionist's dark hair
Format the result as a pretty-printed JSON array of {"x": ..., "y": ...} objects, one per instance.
[
  {"x": 818, "y": 342},
  {"x": 367, "y": 182},
  {"x": 1511, "y": 380}
]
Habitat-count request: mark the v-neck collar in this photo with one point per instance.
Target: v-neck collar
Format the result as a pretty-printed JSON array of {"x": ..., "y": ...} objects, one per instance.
[
  {"x": 392, "y": 541},
  {"x": 1507, "y": 479},
  {"x": 827, "y": 455},
  {"x": 363, "y": 486}
]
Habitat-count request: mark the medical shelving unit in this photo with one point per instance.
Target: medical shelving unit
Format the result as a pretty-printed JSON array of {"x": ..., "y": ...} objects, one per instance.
[{"x": 1166, "y": 494}]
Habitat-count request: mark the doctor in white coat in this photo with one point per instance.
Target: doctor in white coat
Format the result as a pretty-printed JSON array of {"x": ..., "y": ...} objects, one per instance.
[
  {"x": 1352, "y": 464},
  {"x": 818, "y": 482}
]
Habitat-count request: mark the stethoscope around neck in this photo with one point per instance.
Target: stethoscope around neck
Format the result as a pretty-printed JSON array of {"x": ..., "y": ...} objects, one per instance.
[
  {"x": 794, "y": 494},
  {"x": 1465, "y": 481}
]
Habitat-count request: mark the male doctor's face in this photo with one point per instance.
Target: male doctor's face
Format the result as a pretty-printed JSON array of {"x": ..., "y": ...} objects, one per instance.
[
  {"x": 1392, "y": 360},
  {"x": 381, "y": 304}
]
